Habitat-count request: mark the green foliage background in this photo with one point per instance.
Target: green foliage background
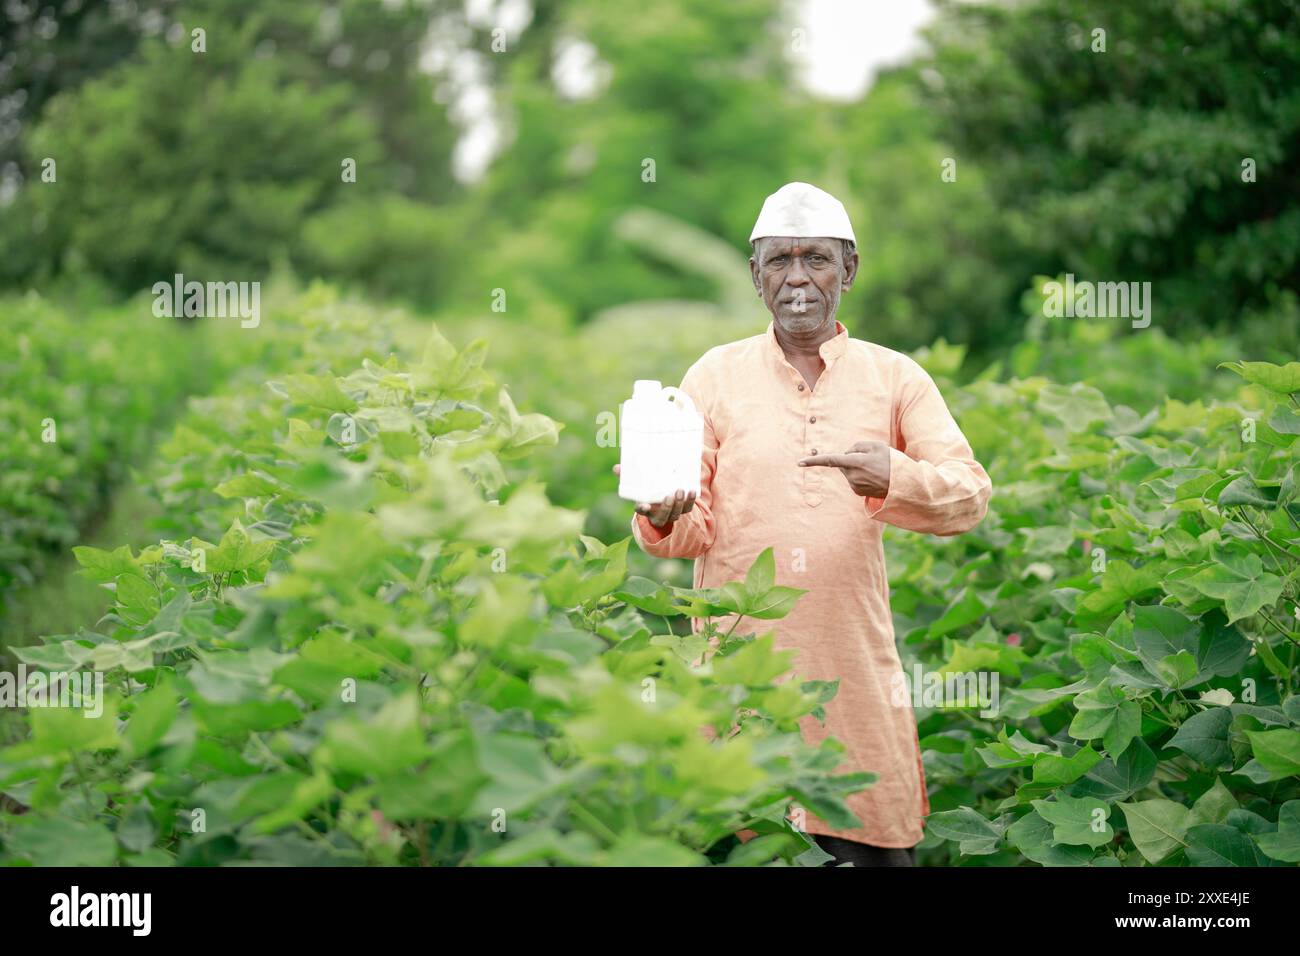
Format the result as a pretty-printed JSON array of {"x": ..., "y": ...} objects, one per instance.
[{"x": 330, "y": 496}]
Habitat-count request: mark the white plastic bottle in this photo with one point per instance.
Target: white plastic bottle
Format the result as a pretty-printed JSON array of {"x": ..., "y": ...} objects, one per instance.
[{"x": 662, "y": 438}]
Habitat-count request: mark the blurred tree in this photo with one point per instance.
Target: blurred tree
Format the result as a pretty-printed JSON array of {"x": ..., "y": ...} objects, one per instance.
[
  {"x": 700, "y": 91},
  {"x": 47, "y": 47},
  {"x": 934, "y": 258},
  {"x": 183, "y": 160},
  {"x": 1131, "y": 164}
]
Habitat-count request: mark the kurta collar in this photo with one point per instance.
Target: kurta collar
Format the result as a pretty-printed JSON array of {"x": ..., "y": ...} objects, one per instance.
[{"x": 830, "y": 349}]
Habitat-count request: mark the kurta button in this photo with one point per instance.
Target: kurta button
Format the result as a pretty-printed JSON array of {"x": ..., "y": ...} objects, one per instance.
[
  {"x": 801, "y": 386},
  {"x": 813, "y": 419},
  {"x": 814, "y": 451}
]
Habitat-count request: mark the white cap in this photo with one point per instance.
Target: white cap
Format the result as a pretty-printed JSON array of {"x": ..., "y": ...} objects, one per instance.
[{"x": 801, "y": 210}]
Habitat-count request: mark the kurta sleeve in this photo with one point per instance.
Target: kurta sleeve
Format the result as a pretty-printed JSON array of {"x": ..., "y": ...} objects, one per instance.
[
  {"x": 692, "y": 534},
  {"x": 935, "y": 484}
]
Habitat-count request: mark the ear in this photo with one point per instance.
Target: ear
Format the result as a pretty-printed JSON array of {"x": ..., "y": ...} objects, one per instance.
[
  {"x": 850, "y": 270},
  {"x": 753, "y": 275}
]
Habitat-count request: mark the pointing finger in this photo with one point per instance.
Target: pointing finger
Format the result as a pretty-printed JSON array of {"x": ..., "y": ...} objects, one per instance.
[{"x": 836, "y": 461}]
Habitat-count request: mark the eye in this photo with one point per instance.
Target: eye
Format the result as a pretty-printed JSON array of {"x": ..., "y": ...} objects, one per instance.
[{"x": 817, "y": 257}]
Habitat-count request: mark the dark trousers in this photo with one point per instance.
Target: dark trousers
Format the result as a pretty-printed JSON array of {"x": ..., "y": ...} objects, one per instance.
[{"x": 863, "y": 854}]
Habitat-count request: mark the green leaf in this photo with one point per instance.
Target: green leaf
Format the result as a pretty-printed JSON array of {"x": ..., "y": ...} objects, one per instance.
[
  {"x": 1240, "y": 582},
  {"x": 62, "y": 842},
  {"x": 524, "y": 433},
  {"x": 762, "y": 573},
  {"x": 1222, "y": 650},
  {"x": 1215, "y": 844},
  {"x": 569, "y": 586},
  {"x": 775, "y": 603},
  {"x": 1074, "y": 821},
  {"x": 755, "y": 664},
  {"x": 233, "y": 720},
  {"x": 548, "y": 845},
  {"x": 1055, "y": 770},
  {"x": 63, "y": 656},
  {"x": 1177, "y": 670},
  {"x": 237, "y": 551},
  {"x": 1113, "y": 780},
  {"x": 1120, "y": 584},
  {"x": 318, "y": 391},
  {"x": 1284, "y": 844},
  {"x": 1213, "y": 806},
  {"x": 1276, "y": 378},
  {"x": 1077, "y": 406},
  {"x": 1105, "y": 712},
  {"x": 1157, "y": 827},
  {"x": 1034, "y": 837},
  {"x": 1167, "y": 642},
  {"x": 104, "y": 566},
  {"x": 136, "y": 831},
  {"x": 518, "y": 773},
  {"x": 639, "y": 849},
  {"x": 307, "y": 794},
  {"x": 648, "y": 596},
  {"x": 1244, "y": 491},
  {"x": 384, "y": 744},
  {"x": 1204, "y": 736},
  {"x": 62, "y": 729},
  {"x": 975, "y": 835},
  {"x": 965, "y": 608},
  {"x": 248, "y": 485},
  {"x": 1277, "y": 750},
  {"x": 137, "y": 599},
  {"x": 152, "y": 714}
]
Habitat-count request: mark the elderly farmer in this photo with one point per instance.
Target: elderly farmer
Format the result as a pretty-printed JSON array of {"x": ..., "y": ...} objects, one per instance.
[{"x": 813, "y": 441}]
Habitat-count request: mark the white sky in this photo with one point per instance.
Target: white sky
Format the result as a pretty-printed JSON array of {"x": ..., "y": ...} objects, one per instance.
[
  {"x": 845, "y": 43},
  {"x": 848, "y": 41}
]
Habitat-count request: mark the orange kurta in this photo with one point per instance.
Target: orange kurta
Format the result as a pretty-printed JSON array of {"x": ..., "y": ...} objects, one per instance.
[{"x": 760, "y": 418}]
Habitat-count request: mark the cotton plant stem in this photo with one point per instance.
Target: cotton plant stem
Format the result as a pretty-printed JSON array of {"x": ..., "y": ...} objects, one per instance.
[
  {"x": 1278, "y": 627},
  {"x": 1168, "y": 716},
  {"x": 81, "y": 779},
  {"x": 594, "y": 821},
  {"x": 445, "y": 840},
  {"x": 1268, "y": 541}
]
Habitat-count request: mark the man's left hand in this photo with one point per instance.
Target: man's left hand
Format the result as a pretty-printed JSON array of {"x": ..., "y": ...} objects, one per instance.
[{"x": 865, "y": 465}]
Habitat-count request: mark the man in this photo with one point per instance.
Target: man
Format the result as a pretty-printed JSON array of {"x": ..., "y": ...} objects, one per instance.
[{"x": 813, "y": 441}]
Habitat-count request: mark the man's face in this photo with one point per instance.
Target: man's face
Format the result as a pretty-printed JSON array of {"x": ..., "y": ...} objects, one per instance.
[{"x": 801, "y": 279}]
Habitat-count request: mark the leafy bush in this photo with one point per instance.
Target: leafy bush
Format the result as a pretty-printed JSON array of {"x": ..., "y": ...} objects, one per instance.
[
  {"x": 1135, "y": 582},
  {"x": 376, "y": 647},
  {"x": 189, "y": 163},
  {"x": 62, "y": 369},
  {"x": 1075, "y": 467},
  {"x": 1127, "y": 142}
]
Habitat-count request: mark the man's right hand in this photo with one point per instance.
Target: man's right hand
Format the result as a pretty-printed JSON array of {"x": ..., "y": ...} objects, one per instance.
[{"x": 663, "y": 513}]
